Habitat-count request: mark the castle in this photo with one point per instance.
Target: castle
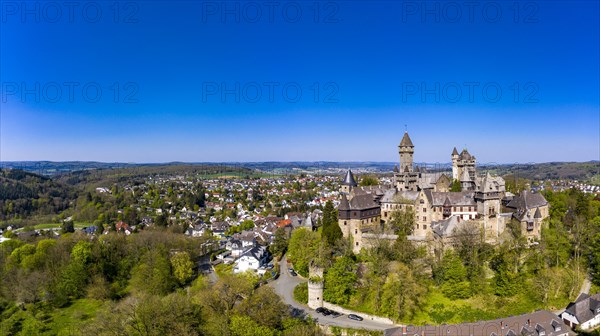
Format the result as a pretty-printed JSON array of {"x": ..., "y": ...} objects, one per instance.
[{"x": 481, "y": 201}]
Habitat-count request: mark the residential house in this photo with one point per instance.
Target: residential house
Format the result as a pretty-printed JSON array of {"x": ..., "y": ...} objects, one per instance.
[
  {"x": 584, "y": 312},
  {"x": 251, "y": 260},
  {"x": 539, "y": 323},
  {"x": 247, "y": 238},
  {"x": 236, "y": 247},
  {"x": 123, "y": 227}
]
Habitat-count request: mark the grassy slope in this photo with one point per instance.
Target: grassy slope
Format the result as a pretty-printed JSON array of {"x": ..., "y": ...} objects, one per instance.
[{"x": 69, "y": 320}]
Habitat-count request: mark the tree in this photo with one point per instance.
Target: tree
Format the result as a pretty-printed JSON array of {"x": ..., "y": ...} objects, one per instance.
[
  {"x": 331, "y": 229},
  {"x": 182, "y": 267},
  {"x": 340, "y": 280},
  {"x": 153, "y": 274},
  {"x": 402, "y": 295},
  {"x": 161, "y": 220},
  {"x": 303, "y": 247},
  {"x": 470, "y": 247},
  {"x": 455, "y": 187},
  {"x": 68, "y": 226},
  {"x": 595, "y": 259},
  {"x": 246, "y": 326},
  {"x": 454, "y": 277},
  {"x": 263, "y": 306},
  {"x": 368, "y": 180},
  {"x": 402, "y": 221},
  {"x": 280, "y": 242},
  {"x": 504, "y": 278}
]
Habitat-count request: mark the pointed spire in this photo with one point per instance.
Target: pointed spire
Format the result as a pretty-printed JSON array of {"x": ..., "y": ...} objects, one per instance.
[
  {"x": 344, "y": 204},
  {"x": 406, "y": 142},
  {"x": 464, "y": 155},
  {"x": 537, "y": 214},
  {"x": 465, "y": 176},
  {"x": 454, "y": 152},
  {"x": 349, "y": 179}
]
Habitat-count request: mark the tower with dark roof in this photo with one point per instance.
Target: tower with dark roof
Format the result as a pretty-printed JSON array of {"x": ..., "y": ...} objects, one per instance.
[
  {"x": 406, "y": 149},
  {"x": 349, "y": 183}
]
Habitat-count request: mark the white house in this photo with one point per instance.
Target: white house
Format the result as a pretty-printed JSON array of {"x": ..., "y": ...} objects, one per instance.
[
  {"x": 251, "y": 260},
  {"x": 584, "y": 312}
]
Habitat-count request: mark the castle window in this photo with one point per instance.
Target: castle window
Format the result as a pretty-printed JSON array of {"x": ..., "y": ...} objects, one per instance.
[
  {"x": 424, "y": 227},
  {"x": 345, "y": 223},
  {"x": 355, "y": 231},
  {"x": 417, "y": 226},
  {"x": 356, "y": 243},
  {"x": 461, "y": 209},
  {"x": 424, "y": 209},
  {"x": 385, "y": 214},
  {"x": 422, "y": 201},
  {"x": 424, "y": 218}
]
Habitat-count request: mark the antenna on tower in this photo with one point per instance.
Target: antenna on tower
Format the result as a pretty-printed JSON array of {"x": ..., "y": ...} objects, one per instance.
[{"x": 405, "y": 128}]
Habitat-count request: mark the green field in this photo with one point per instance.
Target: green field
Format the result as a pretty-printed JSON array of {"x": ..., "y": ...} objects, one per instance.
[
  {"x": 69, "y": 320},
  {"x": 47, "y": 226}
]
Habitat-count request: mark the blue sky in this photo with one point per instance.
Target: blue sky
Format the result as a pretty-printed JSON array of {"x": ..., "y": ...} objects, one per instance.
[{"x": 160, "y": 81}]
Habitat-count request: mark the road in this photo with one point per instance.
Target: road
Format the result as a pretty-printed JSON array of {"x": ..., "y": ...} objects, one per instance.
[
  {"x": 284, "y": 286},
  {"x": 204, "y": 266}
]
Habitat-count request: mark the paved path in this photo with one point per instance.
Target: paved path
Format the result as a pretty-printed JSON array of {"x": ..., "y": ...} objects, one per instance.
[
  {"x": 587, "y": 285},
  {"x": 284, "y": 286}
]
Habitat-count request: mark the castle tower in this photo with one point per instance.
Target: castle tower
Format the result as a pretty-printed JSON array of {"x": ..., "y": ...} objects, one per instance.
[
  {"x": 488, "y": 198},
  {"x": 455, "y": 175},
  {"x": 406, "y": 149},
  {"x": 315, "y": 286},
  {"x": 348, "y": 183}
]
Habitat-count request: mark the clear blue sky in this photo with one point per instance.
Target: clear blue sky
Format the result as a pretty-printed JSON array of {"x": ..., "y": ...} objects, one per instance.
[{"x": 376, "y": 66}]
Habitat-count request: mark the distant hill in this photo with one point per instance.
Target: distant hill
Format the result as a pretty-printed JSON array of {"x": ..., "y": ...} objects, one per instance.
[
  {"x": 581, "y": 171},
  {"x": 23, "y": 194},
  {"x": 534, "y": 171}
]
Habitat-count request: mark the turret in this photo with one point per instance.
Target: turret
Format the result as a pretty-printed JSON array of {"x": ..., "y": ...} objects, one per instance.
[
  {"x": 315, "y": 286},
  {"x": 406, "y": 149},
  {"x": 454, "y": 164},
  {"x": 349, "y": 182}
]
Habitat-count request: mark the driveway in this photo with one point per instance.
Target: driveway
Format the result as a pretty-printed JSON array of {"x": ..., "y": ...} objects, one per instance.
[{"x": 284, "y": 286}]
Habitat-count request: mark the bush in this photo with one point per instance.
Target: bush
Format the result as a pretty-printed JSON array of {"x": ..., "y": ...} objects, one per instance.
[
  {"x": 458, "y": 290},
  {"x": 301, "y": 293}
]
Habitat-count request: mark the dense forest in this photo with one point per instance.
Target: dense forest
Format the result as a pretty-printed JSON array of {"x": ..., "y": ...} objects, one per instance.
[{"x": 24, "y": 194}]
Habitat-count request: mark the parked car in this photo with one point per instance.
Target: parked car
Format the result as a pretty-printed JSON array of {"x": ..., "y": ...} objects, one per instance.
[
  {"x": 355, "y": 317},
  {"x": 335, "y": 314},
  {"x": 319, "y": 310},
  {"x": 292, "y": 272},
  {"x": 326, "y": 312}
]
